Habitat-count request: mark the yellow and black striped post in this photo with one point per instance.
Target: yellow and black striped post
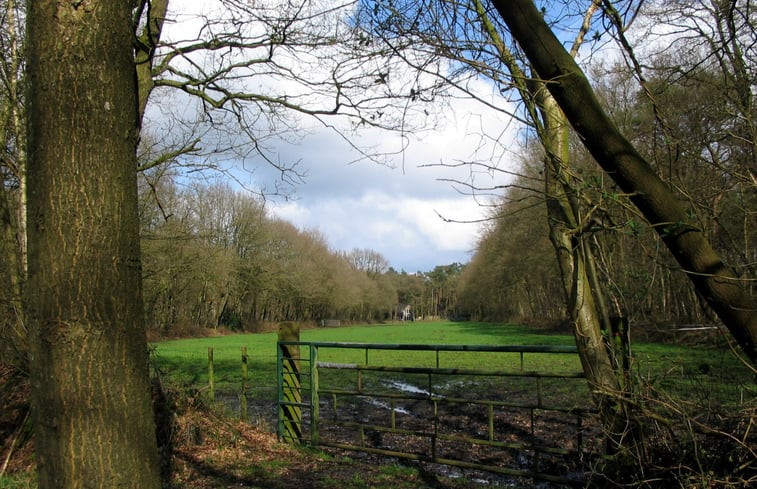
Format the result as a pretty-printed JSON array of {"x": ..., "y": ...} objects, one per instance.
[{"x": 290, "y": 388}]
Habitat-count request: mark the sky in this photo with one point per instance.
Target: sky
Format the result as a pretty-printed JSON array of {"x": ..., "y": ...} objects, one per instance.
[
  {"x": 408, "y": 210},
  {"x": 406, "y": 213}
]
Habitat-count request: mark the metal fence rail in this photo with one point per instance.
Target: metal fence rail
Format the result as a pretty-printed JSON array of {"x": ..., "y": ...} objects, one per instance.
[{"x": 503, "y": 420}]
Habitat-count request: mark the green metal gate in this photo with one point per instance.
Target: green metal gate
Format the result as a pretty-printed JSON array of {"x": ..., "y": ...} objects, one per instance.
[{"x": 441, "y": 415}]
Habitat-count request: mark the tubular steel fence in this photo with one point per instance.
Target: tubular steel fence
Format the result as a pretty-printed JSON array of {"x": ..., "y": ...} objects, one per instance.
[{"x": 511, "y": 410}]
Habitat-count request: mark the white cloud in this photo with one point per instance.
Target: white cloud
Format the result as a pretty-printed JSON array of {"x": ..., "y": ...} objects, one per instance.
[
  {"x": 407, "y": 232},
  {"x": 391, "y": 209},
  {"x": 396, "y": 211}
]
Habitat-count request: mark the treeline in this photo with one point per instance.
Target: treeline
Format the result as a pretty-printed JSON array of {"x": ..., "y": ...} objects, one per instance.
[
  {"x": 698, "y": 148},
  {"x": 214, "y": 257}
]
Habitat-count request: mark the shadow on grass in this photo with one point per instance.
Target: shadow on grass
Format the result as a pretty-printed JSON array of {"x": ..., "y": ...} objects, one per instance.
[{"x": 513, "y": 334}]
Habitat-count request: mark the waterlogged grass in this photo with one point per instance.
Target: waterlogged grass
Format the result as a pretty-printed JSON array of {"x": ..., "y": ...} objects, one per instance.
[{"x": 712, "y": 375}]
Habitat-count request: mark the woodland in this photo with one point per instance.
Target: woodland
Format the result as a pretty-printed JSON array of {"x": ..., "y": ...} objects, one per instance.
[{"x": 634, "y": 194}]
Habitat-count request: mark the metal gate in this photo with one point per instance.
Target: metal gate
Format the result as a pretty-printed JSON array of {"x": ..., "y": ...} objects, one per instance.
[{"x": 513, "y": 410}]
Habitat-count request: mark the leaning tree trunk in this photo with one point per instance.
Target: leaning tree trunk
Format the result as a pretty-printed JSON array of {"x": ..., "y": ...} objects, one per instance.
[
  {"x": 716, "y": 282},
  {"x": 93, "y": 418}
]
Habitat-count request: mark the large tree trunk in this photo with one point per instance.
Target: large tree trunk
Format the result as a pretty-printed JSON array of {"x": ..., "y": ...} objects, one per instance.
[
  {"x": 716, "y": 282},
  {"x": 93, "y": 419}
]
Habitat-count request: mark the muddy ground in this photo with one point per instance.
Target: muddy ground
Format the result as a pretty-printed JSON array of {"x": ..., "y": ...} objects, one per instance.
[
  {"x": 208, "y": 446},
  {"x": 372, "y": 422}
]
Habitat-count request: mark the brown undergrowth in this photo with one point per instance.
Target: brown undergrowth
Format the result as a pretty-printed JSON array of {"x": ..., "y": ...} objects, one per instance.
[
  {"x": 16, "y": 450},
  {"x": 211, "y": 450},
  {"x": 203, "y": 449}
]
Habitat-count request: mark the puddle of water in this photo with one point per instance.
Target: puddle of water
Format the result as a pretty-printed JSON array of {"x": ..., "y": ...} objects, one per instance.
[
  {"x": 405, "y": 387},
  {"x": 491, "y": 480},
  {"x": 385, "y": 405},
  {"x": 401, "y": 386}
]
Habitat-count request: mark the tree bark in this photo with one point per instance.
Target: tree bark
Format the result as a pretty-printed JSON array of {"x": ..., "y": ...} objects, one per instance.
[
  {"x": 716, "y": 282},
  {"x": 90, "y": 388},
  {"x": 585, "y": 305}
]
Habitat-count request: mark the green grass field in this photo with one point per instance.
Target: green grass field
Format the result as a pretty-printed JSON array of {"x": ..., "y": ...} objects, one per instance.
[
  {"x": 712, "y": 375},
  {"x": 185, "y": 362}
]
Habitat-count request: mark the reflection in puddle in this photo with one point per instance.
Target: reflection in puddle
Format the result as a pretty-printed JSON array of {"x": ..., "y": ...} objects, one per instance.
[
  {"x": 401, "y": 386},
  {"x": 385, "y": 405},
  {"x": 405, "y": 387}
]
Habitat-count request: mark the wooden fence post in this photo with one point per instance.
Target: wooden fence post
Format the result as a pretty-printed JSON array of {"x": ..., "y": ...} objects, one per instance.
[
  {"x": 211, "y": 387},
  {"x": 243, "y": 394},
  {"x": 290, "y": 392},
  {"x": 621, "y": 346},
  {"x": 315, "y": 411}
]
